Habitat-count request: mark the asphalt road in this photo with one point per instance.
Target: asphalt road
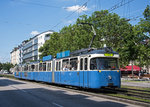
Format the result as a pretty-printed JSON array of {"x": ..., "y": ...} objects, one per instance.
[{"x": 16, "y": 93}]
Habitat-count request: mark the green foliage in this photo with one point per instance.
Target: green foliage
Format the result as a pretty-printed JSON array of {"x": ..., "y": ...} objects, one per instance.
[
  {"x": 6, "y": 66},
  {"x": 1, "y": 66},
  {"x": 142, "y": 32},
  {"x": 117, "y": 33}
]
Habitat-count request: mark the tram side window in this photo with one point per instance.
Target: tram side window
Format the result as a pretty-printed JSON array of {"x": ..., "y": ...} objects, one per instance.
[
  {"x": 49, "y": 67},
  {"x": 26, "y": 68},
  {"x": 57, "y": 66},
  {"x": 36, "y": 67},
  {"x": 81, "y": 64},
  {"x": 40, "y": 67},
  {"x": 65, "y": 64},
  {"x": 85, "y": 64},
  {"x": 29, "y": 69},
  {"x": 22, "y": 68},
  {"x": 93, "y": 64},
  {"x": 32, "y": 67},
  {"x": 44, "y": 66},
  {"x": 73, "y": 63},
  {"x": 17, "y": 69}
]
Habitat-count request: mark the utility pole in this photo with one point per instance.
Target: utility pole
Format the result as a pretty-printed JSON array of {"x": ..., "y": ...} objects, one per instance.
[{"x": 132, "y": 70}]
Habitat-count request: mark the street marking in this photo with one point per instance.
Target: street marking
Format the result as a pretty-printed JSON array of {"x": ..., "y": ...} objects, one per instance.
[{"x": 57, "y": 104}]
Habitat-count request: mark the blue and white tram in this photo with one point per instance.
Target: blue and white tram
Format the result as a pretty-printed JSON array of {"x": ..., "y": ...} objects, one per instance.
[{"x": 92, "y": 68}]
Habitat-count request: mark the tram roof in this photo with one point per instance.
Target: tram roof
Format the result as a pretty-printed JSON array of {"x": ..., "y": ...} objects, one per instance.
[
  {"x": 101, "y": 51},
  {"x": 65, "y": 54},
  {"x": 93, "y": 51}
]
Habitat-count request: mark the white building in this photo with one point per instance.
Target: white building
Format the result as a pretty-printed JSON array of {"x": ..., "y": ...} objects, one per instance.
[
  {"x": 15, "y": 56},
  {"x": 31, "y": 47}
]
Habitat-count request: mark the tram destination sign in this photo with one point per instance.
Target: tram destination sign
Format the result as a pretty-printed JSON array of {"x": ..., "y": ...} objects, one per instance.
[
  {"x": 47, "y": 58},
  {"x": 108, "y": 54},
  {"x": 63, "y": 54}
]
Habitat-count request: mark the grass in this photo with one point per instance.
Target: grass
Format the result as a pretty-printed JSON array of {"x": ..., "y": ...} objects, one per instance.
[
  {"x": 133, "y": 87},
  {"x": 132, "y": 97},
  {"x": 129, "y": 97}
]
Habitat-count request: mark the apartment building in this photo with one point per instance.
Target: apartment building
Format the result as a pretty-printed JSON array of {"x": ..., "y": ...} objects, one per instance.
[
  {"x": 15, "y": 56},
  {"x": 30, "y": 48}
]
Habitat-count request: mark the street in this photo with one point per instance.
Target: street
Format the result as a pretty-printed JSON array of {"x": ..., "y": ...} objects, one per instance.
[{"x": 16, "y": 93}]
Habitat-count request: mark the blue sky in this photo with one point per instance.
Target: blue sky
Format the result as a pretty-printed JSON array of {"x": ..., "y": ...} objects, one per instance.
[{"x": 22, "y": 19}]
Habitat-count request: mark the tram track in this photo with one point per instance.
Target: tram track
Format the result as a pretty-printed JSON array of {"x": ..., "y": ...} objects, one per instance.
[
  {"x": 135, "y": 94},
  {"x": 139, "y": 93},
  {"x": 138, "y": 97},
  {"x": 111, "y": 93}
]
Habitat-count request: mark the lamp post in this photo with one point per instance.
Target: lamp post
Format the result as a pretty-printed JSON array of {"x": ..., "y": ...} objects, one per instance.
[{"x": 132, "y": 70}]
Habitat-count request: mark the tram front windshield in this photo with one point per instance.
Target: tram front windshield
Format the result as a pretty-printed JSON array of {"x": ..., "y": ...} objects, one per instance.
[{"x": 101, "y": 63}]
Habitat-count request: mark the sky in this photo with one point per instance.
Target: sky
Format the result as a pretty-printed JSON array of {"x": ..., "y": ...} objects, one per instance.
[{"x": 23, "y": 19}]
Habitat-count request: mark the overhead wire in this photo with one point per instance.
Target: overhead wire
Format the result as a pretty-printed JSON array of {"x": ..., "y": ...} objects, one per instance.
[
  {"x": 116, "y": 6},
  {"x": 83, "y": 6},
  {"x": 120, "y": 4},
  {"x": 133, "y": 18},
  {"x": 27, "y": 2}
]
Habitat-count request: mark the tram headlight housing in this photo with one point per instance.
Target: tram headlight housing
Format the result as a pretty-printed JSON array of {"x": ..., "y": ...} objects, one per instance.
[{"x": 109, "y": 77}]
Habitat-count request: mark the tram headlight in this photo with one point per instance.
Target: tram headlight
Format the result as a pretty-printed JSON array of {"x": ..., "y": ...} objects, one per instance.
[{"x": 109, "y": 77}]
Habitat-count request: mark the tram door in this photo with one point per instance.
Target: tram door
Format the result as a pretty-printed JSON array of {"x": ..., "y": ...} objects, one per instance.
[
  {"x": 84, "y": 75},
  {"x": 57, "y": 74}
]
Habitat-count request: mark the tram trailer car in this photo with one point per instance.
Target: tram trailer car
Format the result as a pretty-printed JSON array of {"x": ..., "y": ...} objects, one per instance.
[{"x": 88, "y": 68}]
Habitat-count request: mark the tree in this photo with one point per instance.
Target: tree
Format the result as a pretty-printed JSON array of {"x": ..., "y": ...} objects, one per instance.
[
  {"x": 7, "y": 66},
  {"x": 51, "y": 46},
  {"x": 1, "y": 66},
  {"x": 142, "y": 32},
  {"x": 117, "y": 32}
]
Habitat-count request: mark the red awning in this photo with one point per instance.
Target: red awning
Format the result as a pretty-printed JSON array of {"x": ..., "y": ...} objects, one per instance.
[{"x": 129, "y": 68}]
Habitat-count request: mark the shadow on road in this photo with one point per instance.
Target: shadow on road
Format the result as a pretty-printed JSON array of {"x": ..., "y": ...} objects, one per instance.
[
  {"x": 6, "y": 82},
  {"x": 41, "y": 97}
]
